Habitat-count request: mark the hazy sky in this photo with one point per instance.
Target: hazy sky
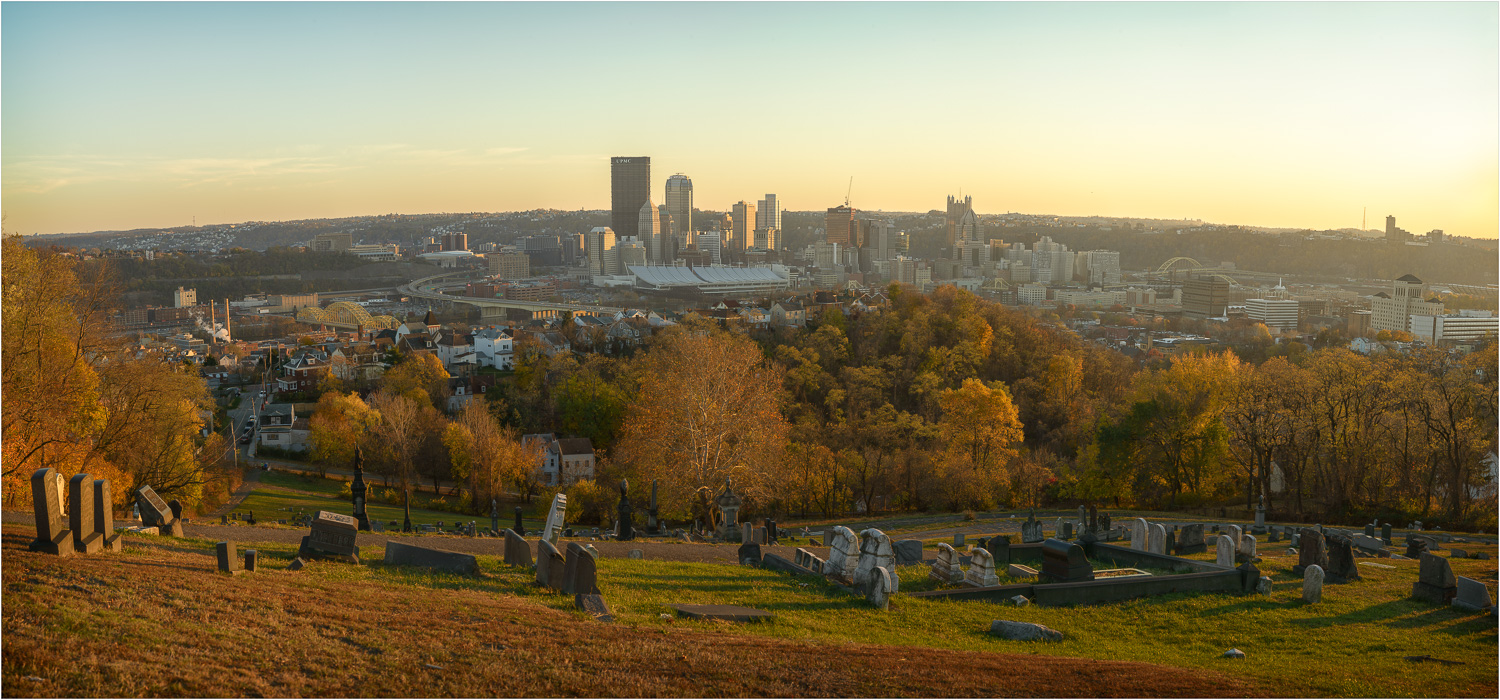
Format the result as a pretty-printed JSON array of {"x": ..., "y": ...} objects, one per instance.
[{"x": 125, "y": 115}]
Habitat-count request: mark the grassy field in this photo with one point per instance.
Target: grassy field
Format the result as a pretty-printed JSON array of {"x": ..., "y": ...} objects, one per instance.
[
  {"x": 281, "y": 494},
  {"x": 157, "y": 621}
]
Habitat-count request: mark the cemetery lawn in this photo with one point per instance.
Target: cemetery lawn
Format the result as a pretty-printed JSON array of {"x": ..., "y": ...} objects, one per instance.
[{"x": 157, "y": 620}]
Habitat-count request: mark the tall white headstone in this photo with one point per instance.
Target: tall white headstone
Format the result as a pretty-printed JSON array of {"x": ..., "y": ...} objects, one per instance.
[
  {"x": 875, "y": 552},
  {"x": 1312, "y": 584},
  {"x": 1138, "y": 534},
  {"x": 1156, "y": 540}
]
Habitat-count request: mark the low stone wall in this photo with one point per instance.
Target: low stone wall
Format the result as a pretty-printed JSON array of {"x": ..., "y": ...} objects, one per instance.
[{"x": 1127, "y": 558}]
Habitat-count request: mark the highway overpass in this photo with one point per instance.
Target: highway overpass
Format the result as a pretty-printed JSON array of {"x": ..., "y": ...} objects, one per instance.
[{"x": 428, "y": 288}]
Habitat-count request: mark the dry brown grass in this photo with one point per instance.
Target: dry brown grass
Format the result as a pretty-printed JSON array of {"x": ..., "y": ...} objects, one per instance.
[{"x": 157, "y": 620}]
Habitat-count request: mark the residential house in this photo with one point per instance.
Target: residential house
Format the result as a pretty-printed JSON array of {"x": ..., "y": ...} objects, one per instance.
[
  {"x": 577, "y": 459},
  {"x": 304, "y": 371},
  {"x": 494, "y": 347},
  {"x": 788, "y": 313},
  {"x": 280, "y": 427},
  {"x": 451, "y": 345},
  {"x": 550, "y": 462}
]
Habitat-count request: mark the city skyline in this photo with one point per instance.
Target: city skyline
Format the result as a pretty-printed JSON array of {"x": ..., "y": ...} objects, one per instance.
[{"x": 1286, "y": 115}]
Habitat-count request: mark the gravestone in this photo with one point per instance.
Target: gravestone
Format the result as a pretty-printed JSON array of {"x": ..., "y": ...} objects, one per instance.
[
  {"x": 52, "y": 534},
  {"x": 1247, "y": 548},
  {"x": 878, "y": 588},
  {"x": 771, "y": 533},
  {"x": 908, "y": 552},
  {"x": 1372, "y": 545},
  {"x": 1031, "y": 531},
  {"x": 156, "y": 513},
  {"x": 1435, "y": 582},
  {"x": 1260, "y": 516},
  {"x": 400, "y": 554},
  {"x": 749, "y": 553},
  {"x": 1063, "y": 562},
  {"x": 1083, "y": 519},
  {"x": 104, "y": 516},
  {"x": 86, "y": 539},
  {"x": 1138, "y": 533},
  {"x": 1275, "y": 535},
  {"x": 1312, "y": 584},
  {"x": 1067, "y": 530},
  {"x": 1171, "y": 541},
  {"x": 1415, "y": 546},
  {"x": 999, "y": 548},
  {"x": 176, "y": 509},
  {"x": 553, "y": 529},
  {"x": 1370, "y": 530},
  {"x": 759, "y": 535},
  {"x": 1385, "y": 533},
  {"x": 229, "y": 561},
  {"x": 728, "y": 613},
  {"x": 1224, "y": 554},
  {"x": 1020, "y": 571},
  {"x": 551, "y": 568},
  {"x": 958, "y": 540},
  {"x": 1472, "y": 595},
  {"x": 579, "y": 571},
  {"x": 843, "y": 555},
  {"x": 252, "y": 560},
  {"x": 946, "y": 568},
  {"x": 626, "y": 527},
  {"x": 729, "y": 509},
  {"x": 635, "y": 554},
  {"x": 1104, "y": 523},
  {"x": 1235, "y": 535},
  {"x": 1156, "y": 539},
  {"x": 333, "y": 534},
  {"x": 1311, "y": 550},
  {"x": 981, "y": 569},
  {"x": 875, "y": 552},
  {"x": 517, "y": 551},
  {"x": 594, "y": 605},
  {"x": 1341, "y": 565},
  {"x": 358, "y": 490},
  {"x": 518, "y": 527}
]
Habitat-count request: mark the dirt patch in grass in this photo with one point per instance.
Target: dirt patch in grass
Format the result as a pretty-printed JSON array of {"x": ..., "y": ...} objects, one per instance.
[{"x": 157, "y": 620}]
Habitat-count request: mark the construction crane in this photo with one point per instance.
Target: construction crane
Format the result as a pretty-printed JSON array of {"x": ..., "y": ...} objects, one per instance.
[{"x": 849, "y": 191}]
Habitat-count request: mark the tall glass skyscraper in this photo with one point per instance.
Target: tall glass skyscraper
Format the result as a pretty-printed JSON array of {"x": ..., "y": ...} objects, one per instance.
[
  {"x": 680, "y": 203},
  {"x": 768, "y": 213},
  {"x": 630, "y": 187}
]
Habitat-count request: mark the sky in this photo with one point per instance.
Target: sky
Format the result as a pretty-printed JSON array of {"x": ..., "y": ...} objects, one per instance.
[{"x": 133, "y": 115}]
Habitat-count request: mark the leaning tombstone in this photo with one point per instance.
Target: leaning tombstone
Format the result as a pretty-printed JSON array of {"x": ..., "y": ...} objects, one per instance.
[
  {"x": 332, "y": 536},
  {"x": 579, "y": 571},
  {"x": 878, "y": 588},
  {"x": 1312, "y": 584},
  {"x": 104, "y": 516},
  {"x": 517, "y": 551},
  {"x": 229, "y": 561},
  {"x": 86, "y": 539},
  {"x": 875, "y": 552},
  {"x": 252, "y": 560},
  {"x": 156, "y": 513},
  {"x": 1435, "y": 582},
  {"x": 981, "y": 569},
  {"x": 402, "y": 554},
  {"x": 1225, "y": 551},
  {"x": 52, "y": 534},
  {"x": 1472, "y": 595},
  {"x": 947, "y": 568},
  {"x": 1064, "y": 562},
  {"x": 550, "y": 566},
  {"x": 555, "y": 518},
  {"x": 1341, "y": 565}
]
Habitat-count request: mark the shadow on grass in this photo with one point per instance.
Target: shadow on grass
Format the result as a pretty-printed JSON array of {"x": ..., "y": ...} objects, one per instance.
[{"x": 1374, "y": 613}]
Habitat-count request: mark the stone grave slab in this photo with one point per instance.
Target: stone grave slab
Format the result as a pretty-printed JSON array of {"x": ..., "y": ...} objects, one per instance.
[
  {"x": 555, "y": 518},
  {"x": 908, "y": 552},
  {"x": 517, "y": 551},
  {"x": 748, "y": 553},
  {"x": 1472, "y": 595},
  {"x": 580, "y": 573},
  {"x": 981, "y": 572},
  {"x": 86, "y": 539},
  {"x": 401, "y": 554},
  {"x": 332, "y": 536},
  {"x": 104, "y": 516},
  {"x": 1020, "y": 571},
  {"x": 550, "y": 566},
  {"x": 1064, "y": 562},
  {"x": 594, "y": 605},
  {"x": 1341, "y": 564},
  {"x": 229, "y": 560},
  {"x": 1311, "y": 551},
  {"x": 728, "y": 613}
]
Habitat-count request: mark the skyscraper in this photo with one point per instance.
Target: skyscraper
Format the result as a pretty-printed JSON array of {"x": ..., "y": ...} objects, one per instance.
[
  {"x": 598, "y": 243},
  {"x": 630, "y": 187},
  {"x": 838, "y": 224},
  {"x": 680, "y": 203},
  {"x": 669, "y": 235},
  {"x": 742, "y": 230},
  {"x": 648, "y": 223},
  {"x": 956, "y": 209},
  {"x": 768, "y": 213}
]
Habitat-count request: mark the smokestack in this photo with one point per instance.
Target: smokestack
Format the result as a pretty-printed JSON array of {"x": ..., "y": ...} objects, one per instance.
[{"x": 228, "y": 336}]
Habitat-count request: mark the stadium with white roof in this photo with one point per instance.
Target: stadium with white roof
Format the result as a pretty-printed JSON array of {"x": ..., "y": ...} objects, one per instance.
[{"x": 708, "y": 280}]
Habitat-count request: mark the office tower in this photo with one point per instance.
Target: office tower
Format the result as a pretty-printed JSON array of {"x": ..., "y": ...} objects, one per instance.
[
  {"x": 826, "y": 255},
  {"x": 324, "y": 242},
  {"x": 648, "y": 222},
  {"x": 597, "y": 243},
  {"x": 455, "y": 241},
  {"x": 956, "y": 209},
  {"x": 630, "y": 187},
  {"x": 680, "y": 203},
  {"x": 711, "y": 243},
  {"x": 882, "y": 240},
  {"x": 768, "y": 239},
  {"x": 1205, "y": 297},
  {"x": 1393, "y": 312},
  {"x": 572, "y": 247},
  {"x": 967, "y": 229},
  {"x": 509, "y": 266},
  {"x": 1280, "y": 315},
  {"x": 184, "y": 297},
  {"x": 544, "y": 250},
  {"x": 669, "y": 236},
  {"x": 1393, "y": 234},
  {"x": 768, "y": 213},
  {"x": 838, "y": 225},
  {"x": 742, "y": 229},
  {"x": 1097, "y": 267},
  {"x": 631, "y": 253}
]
